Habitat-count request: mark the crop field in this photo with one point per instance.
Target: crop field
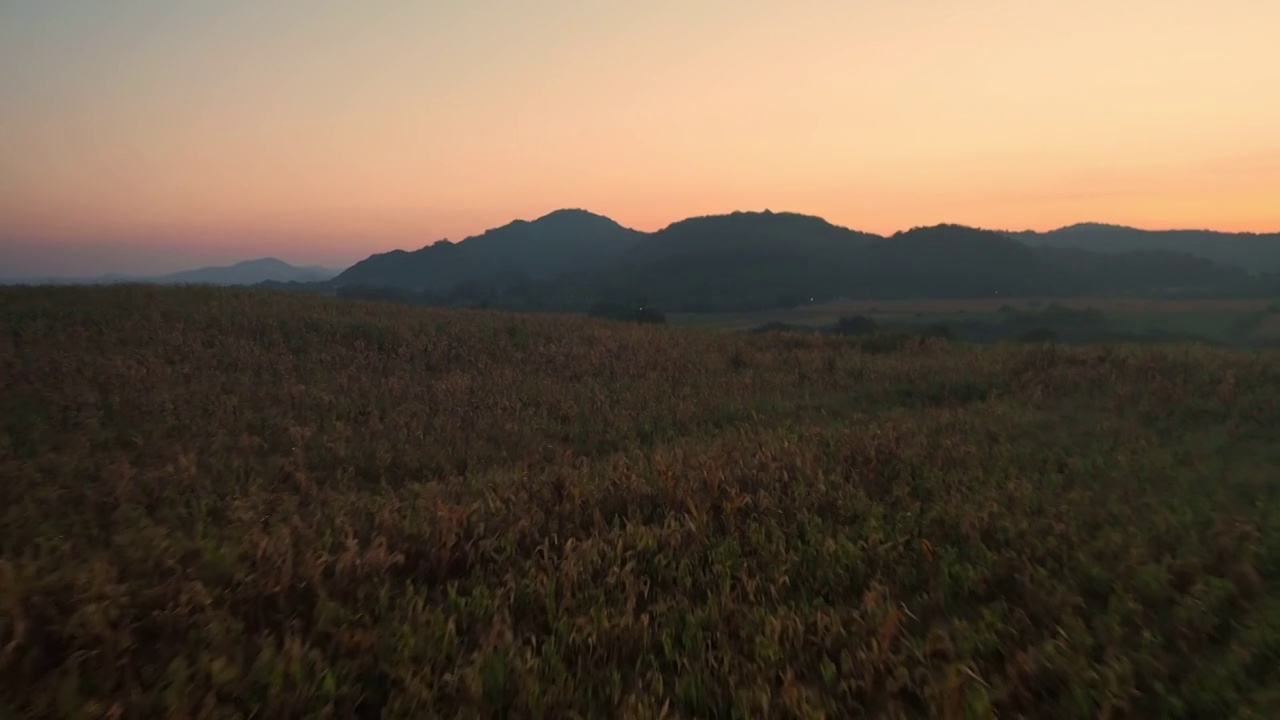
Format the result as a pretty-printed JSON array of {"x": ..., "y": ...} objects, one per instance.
[{"x": 232, "y": 504}]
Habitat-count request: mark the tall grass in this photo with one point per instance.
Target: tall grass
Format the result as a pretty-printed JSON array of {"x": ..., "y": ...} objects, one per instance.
[{"x": 219, "y": 503}]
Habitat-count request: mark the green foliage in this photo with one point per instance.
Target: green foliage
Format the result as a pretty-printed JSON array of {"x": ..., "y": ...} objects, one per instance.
[
  {"x": 939, "y": 330},
  {"x": 1038, "y": 335},
  {"x": 780, "y": 327},
  {"x": 1255, "y": 252},
  {"x": 856, "y": 325},
  {"x": 222, "y": 503},
  {"x": 639, "y": 312},
  {"x": 1059, "y": 317}
]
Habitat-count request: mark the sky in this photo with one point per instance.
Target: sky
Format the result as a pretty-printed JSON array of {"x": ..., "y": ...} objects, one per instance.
[{"x": 155, "y": 135}]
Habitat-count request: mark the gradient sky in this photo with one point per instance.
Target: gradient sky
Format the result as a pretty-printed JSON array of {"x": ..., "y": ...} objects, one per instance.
[{"x": 152, "y": 135}]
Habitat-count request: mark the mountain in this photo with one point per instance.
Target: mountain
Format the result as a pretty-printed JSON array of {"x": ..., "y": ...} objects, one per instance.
[
  {"x": 1152, "y": 272},
  {"x": 111, "y": 279},
  {"x": 745, "y": 261},
  {"x": 564, "y": 241},
  {"x": 1252, "y": 251},
  {"x": 737, "y": 263},
  {"x": 249, "y": 272},
  {"x": 783, "y": 233},
  {"x": 950, "y": 261}
]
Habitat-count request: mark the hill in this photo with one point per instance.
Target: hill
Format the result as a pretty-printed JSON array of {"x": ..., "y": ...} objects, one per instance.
[
  {"x": 952, "y": 261},
  {"x": 726, "y": 264},
  {"x": 743, "y": 260},
  {"x": 248, "y": 272},
  {"x": 782, "y": 233},
  {"x": 561, "y": 242},
  {"x": 109, "y": 279},
  {"x": 748, "y": 261},
  {"x": 1154, "y": 272},
  {"x": 1251, "y": 251},
  {"x": 325, "y": 508}
]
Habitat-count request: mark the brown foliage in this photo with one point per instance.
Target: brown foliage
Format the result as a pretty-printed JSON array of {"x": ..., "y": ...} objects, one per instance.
[{"x": 230, "y": 504}]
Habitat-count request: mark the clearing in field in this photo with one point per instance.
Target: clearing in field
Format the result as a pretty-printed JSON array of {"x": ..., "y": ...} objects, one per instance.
[{"x": 226, "y": 503}]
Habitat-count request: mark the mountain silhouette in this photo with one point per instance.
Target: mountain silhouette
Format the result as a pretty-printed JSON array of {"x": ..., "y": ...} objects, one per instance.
[
  {"x": 560, "y": 242},
  {"x": 745, "y": 261},
  {"x": 784, "y": 233},
  {"x": 1251, "y": 251},
  {"x": 741, "y": 260},
  {"x": 248, "y": 272},
  {"x": 951, "y": 260}
]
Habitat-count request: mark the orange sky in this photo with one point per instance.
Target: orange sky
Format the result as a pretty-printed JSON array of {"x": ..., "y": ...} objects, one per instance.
[{"x": 141, "y": 135}]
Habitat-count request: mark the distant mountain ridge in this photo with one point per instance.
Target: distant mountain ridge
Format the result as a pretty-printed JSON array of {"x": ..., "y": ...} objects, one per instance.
[
  {"x": 248, "y": 272},
  {"x": 756, "y": 260},
  {"x": 560, "y": 242},
  {"x": 568, "y": 259},
  {"x": 1256, "y": 252}
]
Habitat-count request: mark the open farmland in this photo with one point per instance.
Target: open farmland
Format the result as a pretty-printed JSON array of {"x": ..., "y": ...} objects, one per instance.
[
  {"x": 995, "y": 304},
  {"x": 1242, "y": 321},
  {"x": 219, "y": 503}
]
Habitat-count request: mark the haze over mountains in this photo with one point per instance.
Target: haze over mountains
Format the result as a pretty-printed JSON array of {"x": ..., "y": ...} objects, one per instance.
[
  {"x": 1252, "y": 251},
  {"x": 571, "y": 258},
  {"x": 756, "y": 260},
  {"x": 248, "y": 272}
]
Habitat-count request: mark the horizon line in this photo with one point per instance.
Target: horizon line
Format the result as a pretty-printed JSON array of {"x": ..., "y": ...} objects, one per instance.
[
  {"x": 564, "y": 209},
  {"x": 770, "y": 211}
]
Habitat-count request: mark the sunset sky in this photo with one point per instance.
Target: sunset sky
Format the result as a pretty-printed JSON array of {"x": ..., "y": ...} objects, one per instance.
[{"x": 154, "y": 135}]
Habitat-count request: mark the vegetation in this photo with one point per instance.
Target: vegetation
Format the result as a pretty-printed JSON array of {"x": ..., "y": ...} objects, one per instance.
[
  {"x": 1253, "y": 323},
  {"x": 638, "y": 311},
  {"x": 1253, "y": 251},
  {"x": 754, "y": 261},
  {"x": 856, "y": 325},
  {"x": 561, "y": 242},
  {"x": 220, "y": 503}
]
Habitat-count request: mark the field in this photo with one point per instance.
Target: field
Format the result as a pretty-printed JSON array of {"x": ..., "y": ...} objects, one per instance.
[
  {"x": 219, "y": 504},
  {"x": 1212, "y": 319}
]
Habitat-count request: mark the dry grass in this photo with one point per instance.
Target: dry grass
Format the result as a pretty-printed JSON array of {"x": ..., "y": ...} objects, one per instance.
[{"x": 228, "y": 504}]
